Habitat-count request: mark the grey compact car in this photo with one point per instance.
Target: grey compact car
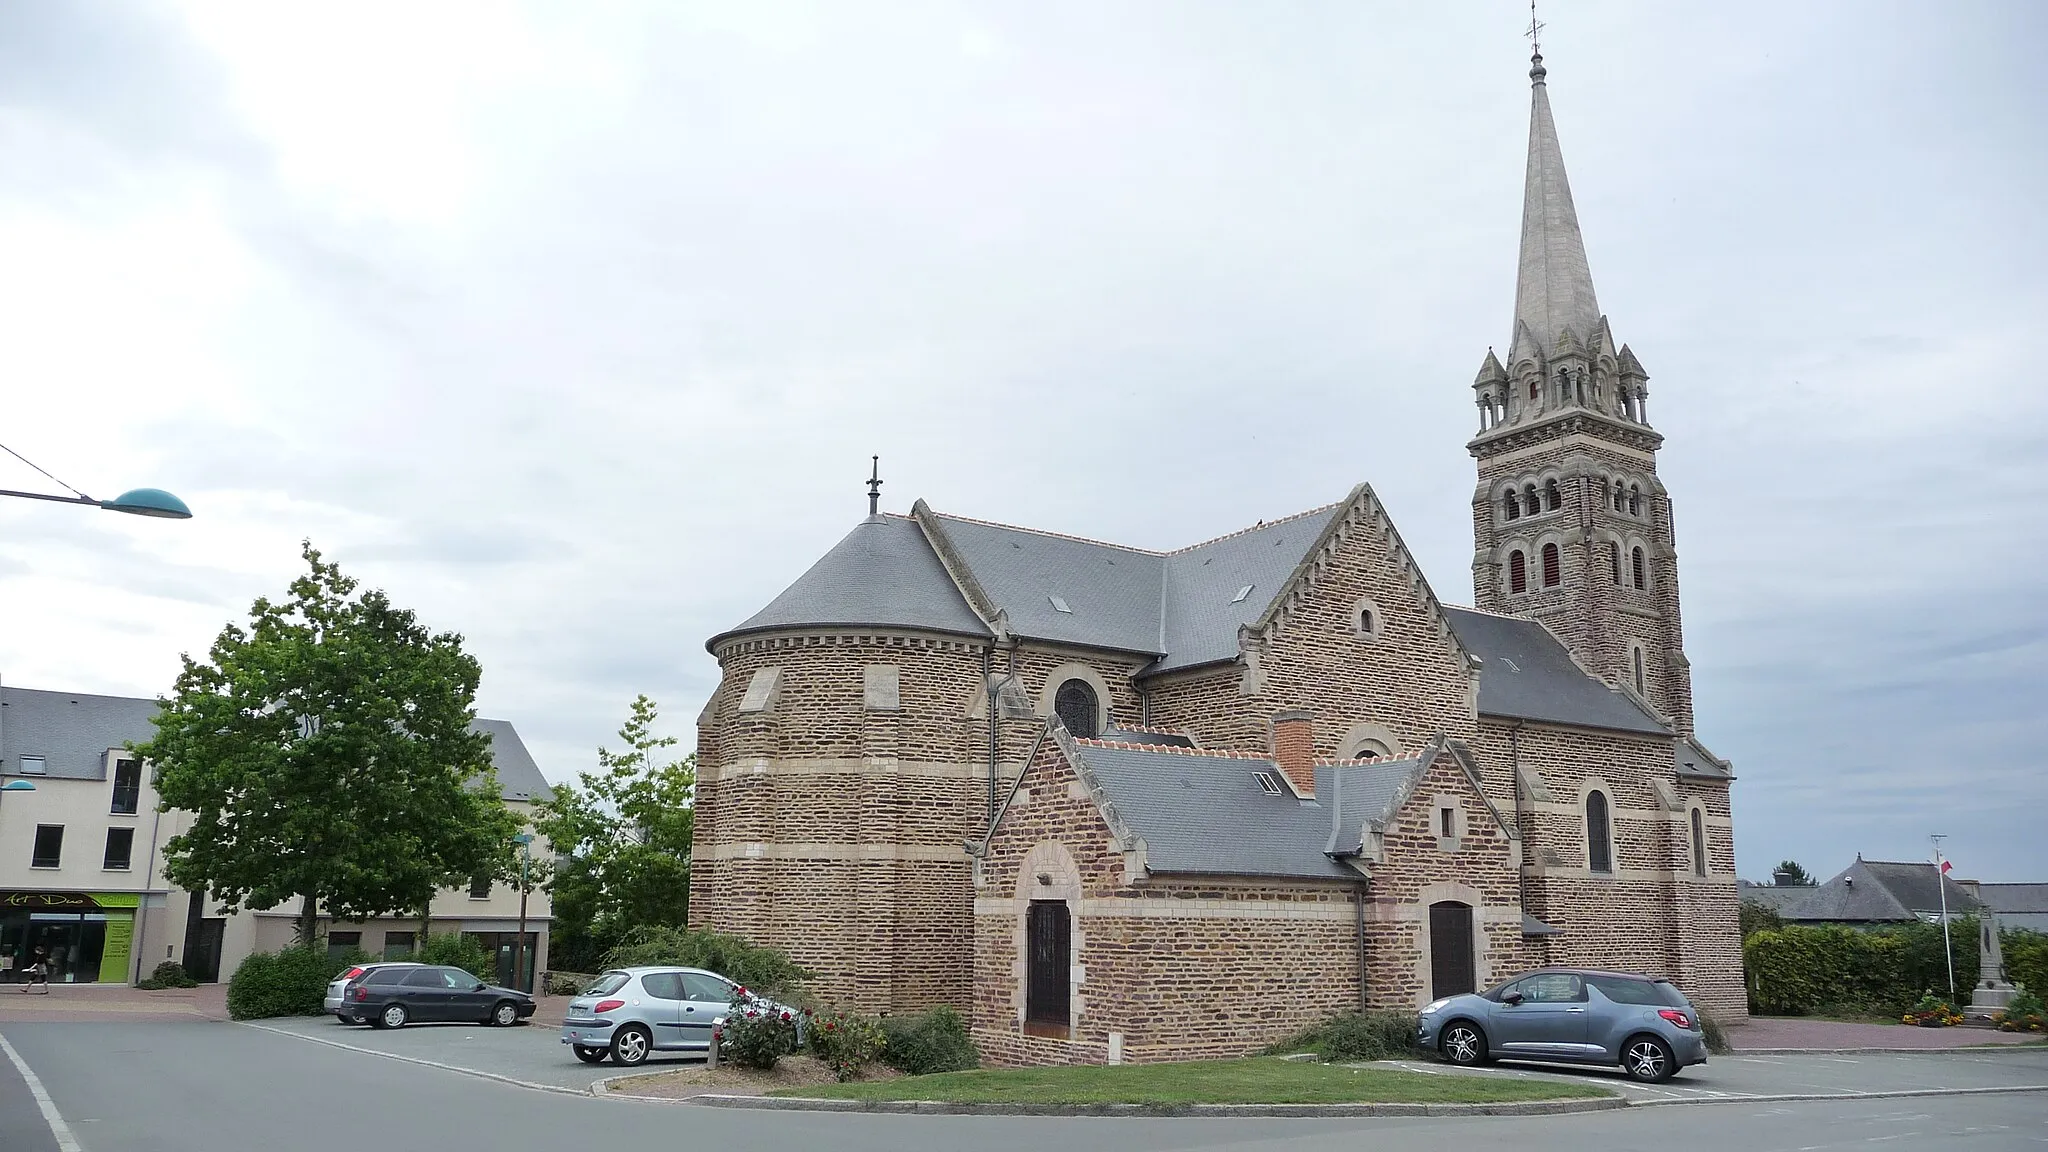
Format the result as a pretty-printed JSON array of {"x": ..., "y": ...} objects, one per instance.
[
  {"x": 630, "y": 1013},
  {"x": 1571, "y": 1015}
]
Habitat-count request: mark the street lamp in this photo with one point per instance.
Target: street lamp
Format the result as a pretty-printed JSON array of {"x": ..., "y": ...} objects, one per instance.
[
  {"x": 136, "y": 501},
  {"x": 18, "y": 786},
  {"x": 525, "y": 842}
]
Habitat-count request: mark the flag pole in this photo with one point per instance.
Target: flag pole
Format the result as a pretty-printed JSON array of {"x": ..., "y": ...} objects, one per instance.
[{"x": 1948, "y": 952}]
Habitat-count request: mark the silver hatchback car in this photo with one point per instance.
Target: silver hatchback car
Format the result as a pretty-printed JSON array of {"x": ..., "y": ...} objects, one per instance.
[
  {"x": 631, "y": 1013},
  {"x": 1571, "y": 1015}
]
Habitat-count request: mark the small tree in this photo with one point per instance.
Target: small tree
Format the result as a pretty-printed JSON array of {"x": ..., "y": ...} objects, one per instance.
[
  {"x": 623, "y": 834},
  {"x": 325, "y": 753},
  {"x": 1788, "y": 874}
]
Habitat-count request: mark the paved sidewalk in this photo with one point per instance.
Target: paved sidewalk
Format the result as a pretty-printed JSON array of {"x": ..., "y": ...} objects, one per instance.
[
  {"x": 1799, "y": 1033},
  {"x": 112, "y": 1002}
]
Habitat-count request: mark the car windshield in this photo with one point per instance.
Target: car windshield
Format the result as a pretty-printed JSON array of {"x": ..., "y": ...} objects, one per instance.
[{"x": 606, "y": 984}]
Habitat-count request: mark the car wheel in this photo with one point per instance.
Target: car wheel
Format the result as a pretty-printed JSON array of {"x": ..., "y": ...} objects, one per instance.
[
  {"x": 1464, "y": 1043},
  {"x": 393, "y": 1016},
  {"x": 1648, "y": 1059},
  {"x": 505, "y": 1014},
  {"x": 589, "y": 1055},
  {"x": 630, "y": 1046}
]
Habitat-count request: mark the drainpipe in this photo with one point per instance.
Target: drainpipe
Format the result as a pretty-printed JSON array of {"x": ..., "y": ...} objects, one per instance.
[
  {"x": 142, "y": 908},
  {"x": 1358, "y": 928},
  {"x": 988, "y": 681},
  {"x": 1522, "y": 865}
]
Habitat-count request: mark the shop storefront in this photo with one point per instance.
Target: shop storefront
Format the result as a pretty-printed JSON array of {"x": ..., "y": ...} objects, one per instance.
[{"x": 87, "y": 936}]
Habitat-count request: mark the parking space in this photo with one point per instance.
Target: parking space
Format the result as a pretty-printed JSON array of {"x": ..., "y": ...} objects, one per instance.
[
  {"x": 1803, "y": 1074},
  {"x": 527, "y": 1054}
]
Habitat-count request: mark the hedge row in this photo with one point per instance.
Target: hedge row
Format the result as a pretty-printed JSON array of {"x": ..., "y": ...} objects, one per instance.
[{"x": 1800, "y": 969}]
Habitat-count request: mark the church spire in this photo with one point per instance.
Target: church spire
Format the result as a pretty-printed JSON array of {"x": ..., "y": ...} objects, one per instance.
[{"x": 1553, "y": 286}]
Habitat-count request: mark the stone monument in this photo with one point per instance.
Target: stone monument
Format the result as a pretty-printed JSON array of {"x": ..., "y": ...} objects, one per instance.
[{"x": 1992, "y": 994}]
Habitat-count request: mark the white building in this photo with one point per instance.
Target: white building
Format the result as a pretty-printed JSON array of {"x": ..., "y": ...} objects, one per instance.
[{"x": 81, "y": 858}]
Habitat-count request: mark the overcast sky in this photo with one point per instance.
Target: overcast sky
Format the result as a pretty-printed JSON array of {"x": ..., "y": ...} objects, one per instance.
[{"x": 574, "y": 329}]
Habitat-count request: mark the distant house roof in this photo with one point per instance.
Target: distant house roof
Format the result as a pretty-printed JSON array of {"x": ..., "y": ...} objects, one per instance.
[
  {"x": 1207, "y": 814},
  {"x": 1868, "y": 892},
  {"x": 1527, "y": 675},
  {"x": 1779, "y": 899},
  {"x": 73, "y": 732},
  {"x": 2017, "y": 905}
]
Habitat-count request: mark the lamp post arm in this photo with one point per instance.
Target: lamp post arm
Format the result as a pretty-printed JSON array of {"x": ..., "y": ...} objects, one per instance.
[{"x": 85, "y": 500}]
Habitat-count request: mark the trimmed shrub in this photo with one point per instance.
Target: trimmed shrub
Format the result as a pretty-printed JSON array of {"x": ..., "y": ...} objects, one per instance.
[
  {"x": 1381, "y": 1034},
  {"x": 766, "y": 970},
  {"x": 846, "y": 1042},
  {"x": 459, "y": 951},
  {"x": 934, "y": 1041},
  {"x": 1797, "y": 969},
  {"x": 755, "y": 1035},
  {"x": 2026, "y": 958},
  {"x": 1717, "y": 1039},
  {"x": 566, "y": 983},
  {"x": 169, "y": 974},
  {"x": 289, "y": 982}
]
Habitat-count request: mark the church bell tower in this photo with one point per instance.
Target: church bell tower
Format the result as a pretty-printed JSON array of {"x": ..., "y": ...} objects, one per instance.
[{"x": 1571, "y": 525}]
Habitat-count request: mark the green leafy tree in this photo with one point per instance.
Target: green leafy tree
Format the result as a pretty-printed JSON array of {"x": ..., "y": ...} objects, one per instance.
[
  {"x": 325, "y": 753},
  {"x": 622, "y": 835},
  {"x": 1788, "y": 874}
]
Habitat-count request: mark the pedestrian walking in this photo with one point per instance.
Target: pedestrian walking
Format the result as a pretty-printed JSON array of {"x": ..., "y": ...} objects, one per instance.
[{"x": 38, "y": 971}]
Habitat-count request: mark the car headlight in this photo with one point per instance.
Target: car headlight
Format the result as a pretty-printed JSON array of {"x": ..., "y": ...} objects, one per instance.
[{"x": 1434, "y": 1006}]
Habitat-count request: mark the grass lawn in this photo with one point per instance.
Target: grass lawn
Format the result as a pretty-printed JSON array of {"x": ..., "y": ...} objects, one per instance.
[{"x": 1252, "y": 1081}]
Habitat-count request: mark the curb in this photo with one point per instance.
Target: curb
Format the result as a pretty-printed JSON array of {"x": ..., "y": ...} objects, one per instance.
[
  {"x": 1902, "y": 1094},
  {"x": 1967, "y": 1049},
  {"x": 936, "y": 1108},
  {"x": 425, "y": 1063}
]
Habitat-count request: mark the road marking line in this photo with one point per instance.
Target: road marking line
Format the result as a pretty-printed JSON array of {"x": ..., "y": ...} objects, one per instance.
[
  {"x": 62, "y": 1131},
  {"x": 418, "y": 1060}
]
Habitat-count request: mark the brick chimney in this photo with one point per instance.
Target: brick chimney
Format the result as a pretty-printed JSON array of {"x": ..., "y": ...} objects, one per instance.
[{"x": 1294, "y": 748}]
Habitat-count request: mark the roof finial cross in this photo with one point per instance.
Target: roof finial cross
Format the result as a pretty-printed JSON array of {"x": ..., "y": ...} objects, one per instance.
[
  {"x": 1535, "y": 31},
  {"x": 875, "y": 488}
]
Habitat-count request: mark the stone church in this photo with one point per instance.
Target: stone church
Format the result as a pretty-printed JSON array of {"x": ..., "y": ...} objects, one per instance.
[{"x": 1119, "y": 804}]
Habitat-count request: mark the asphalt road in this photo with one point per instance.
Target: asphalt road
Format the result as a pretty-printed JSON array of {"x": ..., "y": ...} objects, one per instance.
[{"x": 196, "y": 1087}]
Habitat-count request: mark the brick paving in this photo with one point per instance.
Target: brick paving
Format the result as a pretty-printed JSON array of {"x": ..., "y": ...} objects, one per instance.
[
  {"x": 1801, "y": 1033},
  {"x": 112, "y": 1002}
]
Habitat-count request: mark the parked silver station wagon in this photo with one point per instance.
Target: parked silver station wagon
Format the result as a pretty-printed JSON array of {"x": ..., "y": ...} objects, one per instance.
[{"x": 1571, "y": 1015}]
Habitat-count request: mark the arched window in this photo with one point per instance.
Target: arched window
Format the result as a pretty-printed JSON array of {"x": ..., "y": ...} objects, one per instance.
[
  {"x": 1636, "y": 656},
  {"x": 1599, "y": 849},
  {"x": 1551, "y": 501},
  {"x": 1614, "y": 563},
  {"x": 1532, "y": 391},
  {"x": 1531, "y": 502},
  {"x": 1618, "y": 497},
  {"x": 1365, "y": 621},
  {"x": 1699, "y": 844},
  {"x": 1636, "y": 563},
  {"x": 1518, "y": 572},
  {"x": 1077, "y": 708},
  {"x": 1635, "y": 500},
  {"x": 1510, "y": 505},
  {"x": 1553, "y": 573}
]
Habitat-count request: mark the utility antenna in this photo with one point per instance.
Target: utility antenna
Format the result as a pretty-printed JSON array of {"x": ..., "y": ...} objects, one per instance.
[
  {"x": 875, "y": 488},
  {"x": 1536, "y": 28}
]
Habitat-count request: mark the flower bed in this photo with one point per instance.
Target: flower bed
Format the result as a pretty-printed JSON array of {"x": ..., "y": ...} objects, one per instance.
[{"x": 1932, "y": 1013}]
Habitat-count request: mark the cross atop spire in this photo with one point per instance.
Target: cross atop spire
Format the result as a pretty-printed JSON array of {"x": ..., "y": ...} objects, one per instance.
[{"x": 1553, "y": 285}]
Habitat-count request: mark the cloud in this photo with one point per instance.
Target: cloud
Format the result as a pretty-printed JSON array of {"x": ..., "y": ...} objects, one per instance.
[{"x": 576, "y": 334}]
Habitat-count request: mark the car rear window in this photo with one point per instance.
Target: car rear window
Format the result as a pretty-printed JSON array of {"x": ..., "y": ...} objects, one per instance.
[
  {"x": 1656, "y": 993},
  {"x": 606, "y": 984}
]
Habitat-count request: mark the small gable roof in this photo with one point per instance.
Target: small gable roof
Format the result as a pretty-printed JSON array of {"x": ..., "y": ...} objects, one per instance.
[
  {"x": 1873, "y": 891},
  {"x": 884, "y": 573},
  {"x": 1525, "y": 674}
]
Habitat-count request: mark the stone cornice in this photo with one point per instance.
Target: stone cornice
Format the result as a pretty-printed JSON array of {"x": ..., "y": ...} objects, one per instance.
[{"x": 1509, "y": 437}]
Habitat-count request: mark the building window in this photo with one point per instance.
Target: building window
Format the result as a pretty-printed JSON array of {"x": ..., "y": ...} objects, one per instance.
[
  {"x": 1635, "y": 500},
  {"x": 1368, "y": 620},
  {"x": 340, "y": 944},
  {"x": 1531, "y": 501},
  {"x": 1636, "y": 563},
  {"x": 120, "y": 849},
  {"x": 1599, "y": 848},
  {"x": 1511, "y": 506},
  {"x": 1699, "y": 844},
  {"x": 1518, "y": 572},
  {"x": 1553, "y": 571},
  {"x": 49, "y": 849},
  {"x": 33, "y": 766},
  {"x": 479, "y": 887},
  {"x": 1614, "y": 563},
  {"x": 1076, "y": 706},
  {"x": 1636, "y": 656},
  {"x": 397, "y": 945},
  {"x": 127, "y": 786},
  {"x": 1551, "y": 500},
  {"x": 1532, "y": 391},
  {"x": 1048, "y": 986},
  {"x": 1447, "y": 823},
  {"x": 1619, "y": 499}
]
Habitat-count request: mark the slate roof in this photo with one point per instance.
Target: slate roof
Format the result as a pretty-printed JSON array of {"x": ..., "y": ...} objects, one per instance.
[
  {"x": 2017, "y": 905},
  {"x": 74, "y": 731},
  {"x": 71, "y": 731},
  {"x": 883, "y": 573},
  {"x": 1692, "y": 759},
  {"x": 1781, "y": 900},
  {"x": 1206, "y": 814},
  {"x": 1876, "y": 891},
  {"x": 1526, "y": 674}
]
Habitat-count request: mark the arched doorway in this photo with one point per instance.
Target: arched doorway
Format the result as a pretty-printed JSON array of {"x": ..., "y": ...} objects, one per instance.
[{"x": 1450, "y": 950}]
